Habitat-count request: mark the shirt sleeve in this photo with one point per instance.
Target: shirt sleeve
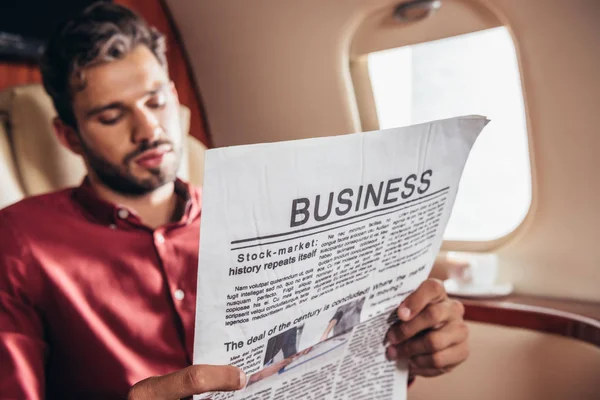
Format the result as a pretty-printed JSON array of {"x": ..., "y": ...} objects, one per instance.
[{"x": 22, "y": 344}]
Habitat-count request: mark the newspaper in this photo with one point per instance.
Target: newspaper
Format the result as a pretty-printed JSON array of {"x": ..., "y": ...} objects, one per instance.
[{"x": 308, "y": 246}]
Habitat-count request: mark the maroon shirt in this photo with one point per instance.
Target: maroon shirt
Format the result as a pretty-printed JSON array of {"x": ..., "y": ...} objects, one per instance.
[{"x": 91, "y": 300}]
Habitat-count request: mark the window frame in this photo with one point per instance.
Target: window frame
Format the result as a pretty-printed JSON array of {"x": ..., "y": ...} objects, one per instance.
[{"x": 367, "y": 112}]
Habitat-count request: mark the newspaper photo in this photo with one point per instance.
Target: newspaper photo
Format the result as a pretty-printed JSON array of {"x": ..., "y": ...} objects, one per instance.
[{"x": 308, "y": 246}]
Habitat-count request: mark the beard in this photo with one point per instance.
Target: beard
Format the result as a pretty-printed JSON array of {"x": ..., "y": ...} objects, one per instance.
[{"x": 120, "y": 180}]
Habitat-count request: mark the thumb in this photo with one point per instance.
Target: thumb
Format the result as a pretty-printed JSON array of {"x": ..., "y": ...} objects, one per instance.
[{"x": 196, "y": 379}]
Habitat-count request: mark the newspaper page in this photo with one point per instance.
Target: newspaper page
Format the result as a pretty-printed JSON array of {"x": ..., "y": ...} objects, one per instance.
[{"x": 306, "y": 248}]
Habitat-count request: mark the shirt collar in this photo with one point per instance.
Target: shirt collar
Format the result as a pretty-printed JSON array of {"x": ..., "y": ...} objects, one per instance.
[{"x": 107, "y": 213}]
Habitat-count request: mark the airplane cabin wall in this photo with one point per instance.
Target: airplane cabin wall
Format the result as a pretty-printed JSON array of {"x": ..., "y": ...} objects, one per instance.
[{"x": 13, "y": 73}]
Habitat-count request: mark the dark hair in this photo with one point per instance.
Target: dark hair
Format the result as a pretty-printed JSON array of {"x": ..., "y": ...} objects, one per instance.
[{"x": 102, "y": 33}]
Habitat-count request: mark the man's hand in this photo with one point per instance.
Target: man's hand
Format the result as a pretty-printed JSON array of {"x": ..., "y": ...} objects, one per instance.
[
  {"x": 196, "y": 379},
  {"x": 430, "y": 331}
]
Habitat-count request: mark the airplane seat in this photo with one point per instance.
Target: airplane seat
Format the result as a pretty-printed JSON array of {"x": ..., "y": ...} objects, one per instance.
[
  {"x": 33, "y": 161},
  {"x": 12, "y": 190}
]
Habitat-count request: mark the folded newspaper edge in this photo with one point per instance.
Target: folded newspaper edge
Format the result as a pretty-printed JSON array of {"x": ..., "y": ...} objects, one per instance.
[{"x": 307, "y": 246}]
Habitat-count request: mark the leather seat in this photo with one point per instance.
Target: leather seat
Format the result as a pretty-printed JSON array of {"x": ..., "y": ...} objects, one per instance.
[{"x": 32, "y": 160}]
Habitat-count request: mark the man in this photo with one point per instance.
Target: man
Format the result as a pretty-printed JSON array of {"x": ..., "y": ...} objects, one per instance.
[
  {"x": 345, "y": 317},
  {"x": 97, "y": 283}
]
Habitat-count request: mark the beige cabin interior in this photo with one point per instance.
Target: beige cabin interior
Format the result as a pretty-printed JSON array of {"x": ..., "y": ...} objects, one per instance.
[{"x": 269, "y": 70}]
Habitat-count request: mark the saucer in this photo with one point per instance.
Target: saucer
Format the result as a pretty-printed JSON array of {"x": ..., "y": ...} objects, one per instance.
[{"x": 487, "y": 291}]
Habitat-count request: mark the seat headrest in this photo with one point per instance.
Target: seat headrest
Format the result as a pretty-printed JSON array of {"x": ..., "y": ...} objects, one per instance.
[
  {"x": 43, "y": 163},
  {"x": 9, "y": 177}
]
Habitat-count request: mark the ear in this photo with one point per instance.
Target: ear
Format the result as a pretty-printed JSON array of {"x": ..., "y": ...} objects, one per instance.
[{"x": 67, "y": 136}]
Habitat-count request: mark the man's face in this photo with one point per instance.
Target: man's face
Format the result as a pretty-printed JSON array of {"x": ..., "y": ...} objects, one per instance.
[{"x": 128, "y": 121}]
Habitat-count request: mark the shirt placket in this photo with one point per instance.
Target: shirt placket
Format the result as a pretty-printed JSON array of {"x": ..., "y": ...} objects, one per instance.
[
  {"x": 179, "y": 286},
  {"x": 172, "y": 264},
  {"x": 167, "y": 255}
]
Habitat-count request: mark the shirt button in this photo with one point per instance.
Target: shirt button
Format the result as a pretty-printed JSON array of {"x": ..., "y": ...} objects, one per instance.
[
  {"x": 160, "y": 238},
  {"x": 123, "y": 213},
  {"x": 179, "y": 294},
  {"x": 112, "y": 226}
]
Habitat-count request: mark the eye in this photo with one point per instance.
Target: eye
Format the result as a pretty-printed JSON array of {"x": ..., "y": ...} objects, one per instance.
[
  {"x": 157, "y": 101},
  {"x": 110, "y": 117}
]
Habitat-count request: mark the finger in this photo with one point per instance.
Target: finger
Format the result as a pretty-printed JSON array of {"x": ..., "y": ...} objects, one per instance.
[
  {"x": 429, "y": 372},
  {"x": 431, "y": 317},
  {"x": 450, "y": 334},
  {"x": 195, "y": 379},
  {"x": 414, "y": 371},
  {"x": 430, "y": 291},
  {"x": 442, "y": 359}
]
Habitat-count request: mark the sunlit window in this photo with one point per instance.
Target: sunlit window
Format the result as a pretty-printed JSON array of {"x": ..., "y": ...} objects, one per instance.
[{"x": 475, "y": 73}]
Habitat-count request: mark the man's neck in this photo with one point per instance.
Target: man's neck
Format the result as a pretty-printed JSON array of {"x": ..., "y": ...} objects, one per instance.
[{"x": 155, "y": 209}]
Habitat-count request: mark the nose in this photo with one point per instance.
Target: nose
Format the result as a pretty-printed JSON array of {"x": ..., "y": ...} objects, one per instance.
[{"x": 147, "y": 127}]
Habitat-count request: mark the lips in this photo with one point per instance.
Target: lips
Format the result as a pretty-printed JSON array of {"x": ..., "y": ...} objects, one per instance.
[{"x": 152, "y": 158}]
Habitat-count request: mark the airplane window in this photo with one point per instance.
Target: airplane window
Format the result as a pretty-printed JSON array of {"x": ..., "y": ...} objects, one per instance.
[{"x": 476, "y": 73}]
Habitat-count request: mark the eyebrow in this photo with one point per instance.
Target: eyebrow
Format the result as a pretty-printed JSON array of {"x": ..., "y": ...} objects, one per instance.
[{"x": 117, "y": 104}]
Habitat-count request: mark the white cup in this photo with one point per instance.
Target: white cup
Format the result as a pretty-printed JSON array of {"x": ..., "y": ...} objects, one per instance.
[{"x": 477, "y": 269}]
